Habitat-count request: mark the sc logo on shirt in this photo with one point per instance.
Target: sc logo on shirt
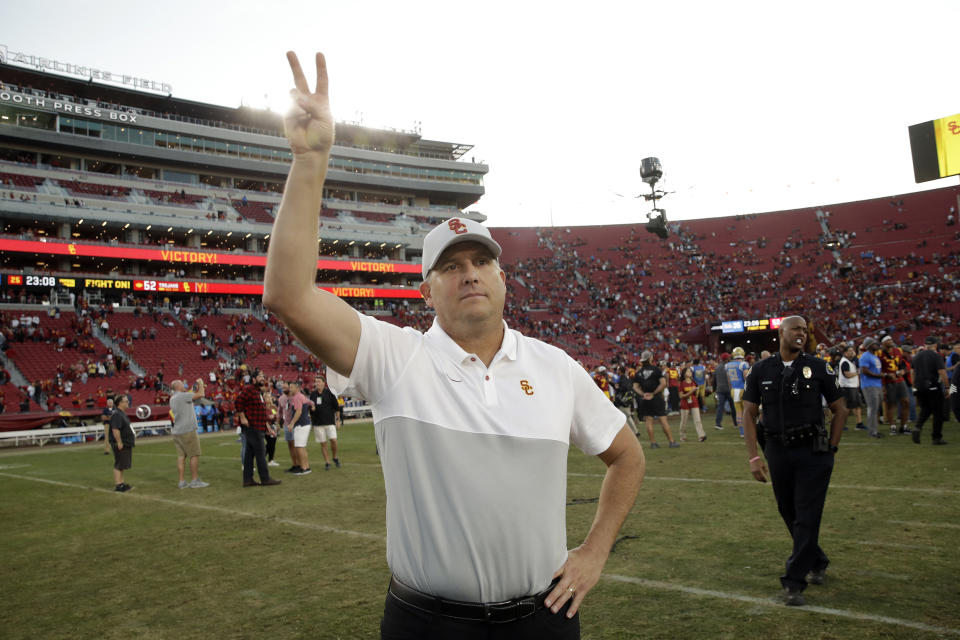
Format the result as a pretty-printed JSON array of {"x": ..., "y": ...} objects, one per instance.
[{"x": 526, "y": 387}]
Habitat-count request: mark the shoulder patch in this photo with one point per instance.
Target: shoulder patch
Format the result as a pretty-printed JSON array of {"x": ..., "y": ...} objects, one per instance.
[{"x": 829, "y": 369}]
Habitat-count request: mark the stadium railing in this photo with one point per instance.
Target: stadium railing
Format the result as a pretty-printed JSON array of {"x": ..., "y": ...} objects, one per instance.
[{"x": 41, "y": 437}]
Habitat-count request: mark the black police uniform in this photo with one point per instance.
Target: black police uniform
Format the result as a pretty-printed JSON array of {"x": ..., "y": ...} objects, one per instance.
[{"x": 796, "y": 446}]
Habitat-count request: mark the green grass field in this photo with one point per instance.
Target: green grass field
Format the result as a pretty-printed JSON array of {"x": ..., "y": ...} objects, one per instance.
[{"x": 306, "y": 559}]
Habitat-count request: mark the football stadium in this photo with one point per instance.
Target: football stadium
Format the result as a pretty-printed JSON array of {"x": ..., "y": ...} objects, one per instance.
[{"x": 135, "y": 229}]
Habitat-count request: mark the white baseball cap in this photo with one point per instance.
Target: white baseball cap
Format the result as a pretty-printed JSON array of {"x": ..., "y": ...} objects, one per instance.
[{"x": 451, "y": 232}]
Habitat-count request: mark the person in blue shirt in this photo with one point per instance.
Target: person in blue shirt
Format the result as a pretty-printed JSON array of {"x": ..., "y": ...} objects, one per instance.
[
  {"x": 871, "y": 383},
  {"x": 737, "y": 374}
]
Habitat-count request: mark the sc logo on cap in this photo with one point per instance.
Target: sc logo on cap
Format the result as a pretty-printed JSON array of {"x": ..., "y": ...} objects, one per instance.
[{"x": 456, "y": 226}]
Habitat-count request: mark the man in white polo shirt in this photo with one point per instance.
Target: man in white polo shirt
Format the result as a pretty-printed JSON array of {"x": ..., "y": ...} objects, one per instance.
[{"x": 473, "y": 422}]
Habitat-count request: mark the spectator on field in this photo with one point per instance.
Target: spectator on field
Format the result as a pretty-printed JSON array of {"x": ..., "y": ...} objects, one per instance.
[
  {"x": 122, "y": 441},
  {"x": 848, "y": 379},
  {"x": 184, "y": 431},
  {"x": 871, "y": 383},
  {"x": 251, "y": 412},
  {"x": 689, "y": 405},
  {"x": 325, "y": 418},
  {"x": 721, "y": 391},
  {"x": 295, "y": 412},
  {"x": 649, "y": 383}
]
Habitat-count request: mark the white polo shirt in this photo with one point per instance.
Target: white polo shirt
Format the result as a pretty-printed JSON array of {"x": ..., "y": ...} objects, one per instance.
[{"x": 475, "y": 458}]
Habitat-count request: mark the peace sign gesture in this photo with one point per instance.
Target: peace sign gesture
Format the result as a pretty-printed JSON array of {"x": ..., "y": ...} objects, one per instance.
[{"x": 309, "y": 124}]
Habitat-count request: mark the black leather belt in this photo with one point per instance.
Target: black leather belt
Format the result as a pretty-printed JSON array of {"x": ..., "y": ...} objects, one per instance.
[{"x": 493, "y": 612}]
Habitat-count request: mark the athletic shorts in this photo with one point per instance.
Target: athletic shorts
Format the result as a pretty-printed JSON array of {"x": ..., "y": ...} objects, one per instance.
[
  {"x": 301, "y": 433},
  {"x": 653, "y": 408},
  {"x": 896, "y": 391},
  {"x": 852, "y": 395},
  {"x": 324, "y": 432},
  {"x": 122, "y": 458},
  {"x": 187, "y": 444},
  {"x": 736, "y": 394}
]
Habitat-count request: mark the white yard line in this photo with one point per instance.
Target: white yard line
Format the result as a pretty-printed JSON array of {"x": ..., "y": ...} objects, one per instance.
[{"x": 207, "y": 507}]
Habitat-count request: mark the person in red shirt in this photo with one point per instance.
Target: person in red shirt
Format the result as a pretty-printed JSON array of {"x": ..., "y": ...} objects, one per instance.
[
  {"x": 252, "y": 413},
  {"x": 895, "y": 391},
  {"x": 600, "y": 377},
  {"x": 689, "y": 406}
]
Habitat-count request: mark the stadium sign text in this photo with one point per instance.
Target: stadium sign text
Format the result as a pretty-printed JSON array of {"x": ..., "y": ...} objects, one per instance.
[
  {"x": 67, "y": 107},
  {"x": 46, "y": 64},
  {"x": 382, "y": 267},
  {"x": 53, "y": 247},
  {"x": 189, "y": 256}
]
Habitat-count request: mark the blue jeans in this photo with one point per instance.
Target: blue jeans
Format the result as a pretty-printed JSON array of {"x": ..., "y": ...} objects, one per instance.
[{"x": 724, "y": 399}]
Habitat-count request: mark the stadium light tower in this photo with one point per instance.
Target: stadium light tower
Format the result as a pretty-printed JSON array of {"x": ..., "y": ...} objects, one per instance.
[{"x": 651, "y": 171}]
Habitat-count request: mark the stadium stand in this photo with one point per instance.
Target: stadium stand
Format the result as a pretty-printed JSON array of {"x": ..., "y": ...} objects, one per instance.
[{"x": 255, "y": 211}]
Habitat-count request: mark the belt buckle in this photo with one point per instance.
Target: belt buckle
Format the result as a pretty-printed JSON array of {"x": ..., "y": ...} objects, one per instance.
[{"x": 509, "y": 611}]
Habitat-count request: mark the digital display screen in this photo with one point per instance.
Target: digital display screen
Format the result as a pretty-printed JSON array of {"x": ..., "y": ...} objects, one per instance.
[
  {"x": 192, "y": 286},
  {"x": 192, "y": 256},
  {"x": 741, "y": 326},
  {"x": 935, "y": 147},
  {"x": 732, "y": 326},
  {"x": 20, "y": 280}
]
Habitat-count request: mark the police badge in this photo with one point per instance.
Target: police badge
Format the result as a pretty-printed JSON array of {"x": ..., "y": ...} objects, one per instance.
[{"x": 807, "y": 372}]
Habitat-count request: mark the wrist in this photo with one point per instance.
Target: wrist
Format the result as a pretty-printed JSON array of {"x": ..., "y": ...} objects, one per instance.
[
  {"x": 312, "y": 160},
  {"x": 754, "y": 459}
]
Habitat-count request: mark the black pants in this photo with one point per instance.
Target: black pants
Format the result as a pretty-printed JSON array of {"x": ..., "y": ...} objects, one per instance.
[
  {"x": 271, "y": 446},
  {"x": 931, "y": 403},
  {"x": 253, "y": 440},
  {"x": 402, "y": 622},
  {"x": 673, "y": 398},
  {"x": 800, "y": 479}
]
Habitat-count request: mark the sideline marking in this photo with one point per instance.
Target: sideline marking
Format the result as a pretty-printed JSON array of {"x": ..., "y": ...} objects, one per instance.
[
  {"x": 653, "y": 584},
  {"x": 841, "y": 613}
]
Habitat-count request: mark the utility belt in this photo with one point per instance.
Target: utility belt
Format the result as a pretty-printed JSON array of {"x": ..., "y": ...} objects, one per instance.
[{"x": 804, "y": 435}]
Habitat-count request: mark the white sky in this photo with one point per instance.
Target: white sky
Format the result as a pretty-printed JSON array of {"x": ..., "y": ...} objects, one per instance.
[{"x": 750, "y": 106}]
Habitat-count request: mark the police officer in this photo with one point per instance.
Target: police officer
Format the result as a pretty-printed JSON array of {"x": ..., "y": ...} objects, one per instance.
[{"x": 789, "y": 387}]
